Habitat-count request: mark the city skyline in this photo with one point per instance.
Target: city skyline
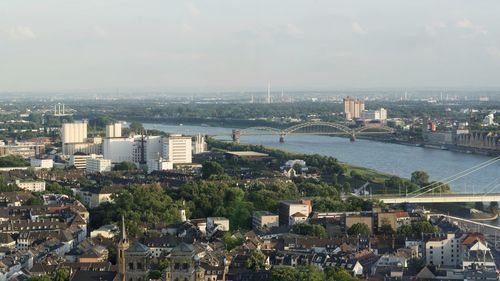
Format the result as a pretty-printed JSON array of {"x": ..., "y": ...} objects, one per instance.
[{"x": 196, "y": 46}]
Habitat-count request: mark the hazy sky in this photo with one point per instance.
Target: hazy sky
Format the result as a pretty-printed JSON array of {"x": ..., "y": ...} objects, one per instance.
[{"x": 223, "y": 45}]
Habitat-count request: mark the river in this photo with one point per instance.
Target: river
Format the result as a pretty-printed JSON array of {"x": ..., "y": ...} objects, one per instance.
[{"x": 400, "y": 160}]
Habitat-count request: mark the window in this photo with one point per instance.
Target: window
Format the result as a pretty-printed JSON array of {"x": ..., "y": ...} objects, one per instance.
[
  {"x": 139, "y": 266},
  {"x": 131, "y": 266}
]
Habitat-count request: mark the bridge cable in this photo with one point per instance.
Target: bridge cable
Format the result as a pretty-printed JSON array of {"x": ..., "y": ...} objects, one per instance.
[
  {"x": 492, "y": 184},
  {"x": 455, "y": 177},
  {"x": 458, "y": 174},
  {"x": 450, "y": 181}
]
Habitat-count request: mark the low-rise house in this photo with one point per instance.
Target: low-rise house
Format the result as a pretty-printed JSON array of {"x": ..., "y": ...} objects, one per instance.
[{"x": 107, "y": 231}]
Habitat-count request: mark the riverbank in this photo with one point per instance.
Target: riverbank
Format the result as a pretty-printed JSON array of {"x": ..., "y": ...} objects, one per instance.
[
  {"x": 385, "y": 157},
  {"x": 236, "y": 123}
]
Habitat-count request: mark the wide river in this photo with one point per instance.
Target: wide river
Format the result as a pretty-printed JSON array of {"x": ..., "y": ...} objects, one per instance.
[{"x": 400, "y": 160}]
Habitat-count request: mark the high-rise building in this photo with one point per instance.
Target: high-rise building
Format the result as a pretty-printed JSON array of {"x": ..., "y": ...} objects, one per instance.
[
  {"x": 353, "y": 108},
  {"x": 200, "y": 145},
  {"x": 74, "y": 132},
  {"x": 177, "y": 149},
  {"x": 114, "y": 130},
  {"x": 119, "y": 149},
  {"x": 74, "y": 137},
  {"x": 380, "y": 114}
]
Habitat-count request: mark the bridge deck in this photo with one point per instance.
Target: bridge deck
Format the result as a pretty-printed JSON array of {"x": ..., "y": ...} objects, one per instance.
[{"x": 444, "y": 198}]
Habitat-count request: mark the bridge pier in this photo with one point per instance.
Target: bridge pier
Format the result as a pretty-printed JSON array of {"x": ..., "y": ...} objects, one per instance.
[
  {"x": 282, "y": 139},
  {"x": 352, "y": 137},
  {"x": 236, "y": 135}
]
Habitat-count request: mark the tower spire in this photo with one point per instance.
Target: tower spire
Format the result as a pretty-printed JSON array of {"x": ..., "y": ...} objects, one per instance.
[
  {"x": 124, "y": 232},
  {"x": 122, "y": 247}
]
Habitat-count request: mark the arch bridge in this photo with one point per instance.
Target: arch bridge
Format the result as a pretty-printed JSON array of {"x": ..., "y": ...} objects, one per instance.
[{"x": 314, "y": 128}]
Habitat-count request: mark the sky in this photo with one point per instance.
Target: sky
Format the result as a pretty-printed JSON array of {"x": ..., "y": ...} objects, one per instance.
[{"x": 235, "y": 45}]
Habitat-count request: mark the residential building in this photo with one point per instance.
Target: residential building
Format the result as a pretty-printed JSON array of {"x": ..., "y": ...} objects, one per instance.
[
  {"x": 33, "y": 186},
  {"x": 264, "y": 219},
  {"x": 219, "y": 223},
  {"x": 25, "y": 150},
  {"x": 41, "y": 163},
  {"x": 94, "y": 196},
  {"x": 475, "y": 253},
  {"x": 354, "y": 219},
  {"x": 159, "y": 165},
  {"x": 94, "y": 165},
  {"x": 389, "y": 218},
  {"x": 289, "y": 208},
  {"x": 297, "y": 218},
  {"x": 443, "y": 250},
  {"x": 353, "y": 108},
  {"x": 80, "y": 161},
  {"x": 107, "y": 231},
  {"x": 380, "y": 114}
]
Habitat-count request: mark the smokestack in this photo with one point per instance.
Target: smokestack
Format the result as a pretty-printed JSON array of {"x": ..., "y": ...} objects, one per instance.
[{"x": 269, "y": 92}]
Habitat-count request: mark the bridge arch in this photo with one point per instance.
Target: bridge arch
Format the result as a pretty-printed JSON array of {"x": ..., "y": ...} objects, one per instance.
[
  {"x": 385, "y": 129},
  {"x": 264, "y": 129},
  {"x": 341, "y": 128}
]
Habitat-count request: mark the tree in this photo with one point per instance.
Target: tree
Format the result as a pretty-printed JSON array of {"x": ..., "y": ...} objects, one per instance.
[
  {"x": 257, "y": 261},
  {"x": 231, "y": 242},
  {"x": 13, "y": 161},
  {"x": 479, "y": 206},
  {"x": 309, "y": 229},
  {"x": 35, "y": 200},
  {"x": 284, "y": 274},
  {"x": 338, "y": 274},
  {"x": 125, "y": 166},
  {"x": 40, "y": 278},
  {"x": 420, "y": 178},
  {"x": 211, "y": 169},
  {"x": 415, "y": 265},
  {"x": 303, "y": 273},
  {"x": 386, "y": 228},
  {"x": 155, "y": 274},
  {"x": 359, "y": 229},
  {"x": 136, "y": 127},
  {"x": 141, "y": 205},
  {"x": 405, "y": 230},
  {"x": 493, "y": 207},
  {"x": 424, "y": 227},
  {"x": 62, "y": 274},
  {"x": 298, "y": 168}
]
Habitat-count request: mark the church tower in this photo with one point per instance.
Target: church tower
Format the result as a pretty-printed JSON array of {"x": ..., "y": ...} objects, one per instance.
[{"x": 122, "y": 247}]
